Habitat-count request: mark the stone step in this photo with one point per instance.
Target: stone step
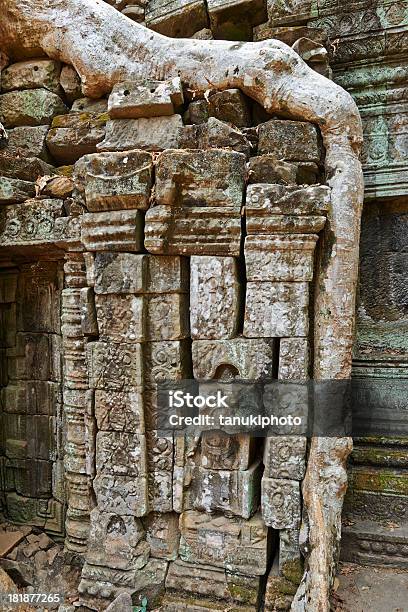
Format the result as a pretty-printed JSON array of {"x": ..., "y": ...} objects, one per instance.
[
  {"x": 370, "y": 543},
  {"x": 381, "y": 456}
]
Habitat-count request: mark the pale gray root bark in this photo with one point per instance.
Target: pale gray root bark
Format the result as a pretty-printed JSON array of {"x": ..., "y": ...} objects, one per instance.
[{"x": 105, "y": 47}]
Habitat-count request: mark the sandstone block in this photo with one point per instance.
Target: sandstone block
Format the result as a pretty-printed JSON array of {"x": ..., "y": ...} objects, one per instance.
[
  {"x": 74, "y": 135},
  {"x": 160, "y": 493},
  {"x": 267, "y": 169},
  {"x": 114, "y": 366},
  {"x": 122, "y": 495},
  {"x": 185, "y": 580},
  {"x": 162, "y": 533},
  {"x": 120, "y": 230},
  {"x": 121, "y": 318},
  {"x": 225, "y": 452},
  {"x": 89, "y": 323},
  {"x": 198, "y": 230},
  {"x": 119, "y": 410},
  {"x": 202, "y": 178},
  {"x": 279, "y": 591},
  {"x": 229, "y": 543},
  {"x": 121, "y": 453},
  {"x": 197, "y": 112},
  {"x": 115, "y": 541},
  {"x": 132, "y": 100},
  {"x": 233, "y": 19},
  {"x": 30, "y": 107},
  {"x": 120, "y": 273},
  {"x": 27, "y": 142},
  {"x": 90, "y": 105},
  {"x": 24, "y": 168},
  {"x": 32, "y": 397},
  {"x": 214, "y": 297},
  {"x": 167, "y": 317},
  {"x": 70, "y": 82},
  {"x": 276, "y": 310},
  {"x": 285, "y": 457},
  {"x": 293, "y": 359},
  {"x": 242, "y": 358},
  {"x": 297, "y": 11},
  {"x": 290, "y": 140},
  {"x": 281, "y": 503},
  {"x": 290, "y": 557},
  {"x": 177, "y": 18},
  {"x": 148, "y": 134},
  {"x": 167, "y": 274},
  {"x": 134, "y": 12},
  {"x": 32, "y": 74},
  {"x": 230, "y": 106},
  {"x": 228, "y": 491},
  {"x": 163, "y": 361},
  {"x": 214, "y": 134},
  {"x": 280, "y": 257},
  {"x": 13, "y": 190}
]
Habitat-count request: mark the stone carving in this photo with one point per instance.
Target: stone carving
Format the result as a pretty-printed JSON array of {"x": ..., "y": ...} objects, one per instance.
[
  {"x": 124, "y": 228},
  {"x": 280, "y": 502},
  {"x": 215, "y": 297}
]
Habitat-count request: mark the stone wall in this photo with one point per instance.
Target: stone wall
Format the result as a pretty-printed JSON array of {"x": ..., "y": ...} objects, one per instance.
[{"x": 142, "y": 237}]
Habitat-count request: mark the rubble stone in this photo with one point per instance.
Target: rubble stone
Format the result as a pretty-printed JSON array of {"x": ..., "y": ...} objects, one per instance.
[
  {"x": 27, "y": 142},
  {"x": 15, "y": 190},
  {"x": 74, "y": 135},
  {"x": 133, "y": 100},
  {"x": 178, "y": 18},
  {"x": 215, "y": 297},
  {"x": 290, "y": 140},
  {"x": 32, "y": 74},
  {"x": 204, "y": 178},
  {"x": 266, "y": 169},
  {"x": 30, "y": 107},
  {"x": 70, "y": 82},
  {"x": 230, "y": 106},
  {"x": 148, "y": 134}
]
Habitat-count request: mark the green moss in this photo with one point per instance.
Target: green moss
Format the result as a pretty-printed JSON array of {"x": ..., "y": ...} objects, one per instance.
[
  {"x": 65, "y": 171},
  {"x": 293, "y": 571}
]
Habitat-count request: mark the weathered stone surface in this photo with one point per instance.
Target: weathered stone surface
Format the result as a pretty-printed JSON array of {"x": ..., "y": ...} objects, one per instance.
[
  {"x": 120, "y": 453},
  {"x": 119, "y": 410},
  {"x": 230, "y": 106},
  {"x": 164, "y": 361},
  {"x": 229, "y": 491},
  {"x": 122, "y": 603},
  {"x": 14, "y": 190},
  {"x": 290, "y": 557},
  {"x": 24, "y": 168},
  {"x": 214, "y": 134},
  {"x": 225, "y": 452},
  {"x": 197, "y": 230},
  {"x": 295, "y": 11},
  {"x": 285, "y": 457},
  {"x": 162, "y": 533},
  {"x": 167, "y": 317},
  {"x": 276, "y": 310},
  {"x": 242, "y": 358},
  {"x": 70, "y": 82},
  {"x": 290, "y": 140},
  {"x": 122, "y": 495},
  {"x": 121, "y": 318},
  {"x": 114, "y": 366},
  {"x": 281, "y": 504},
  {"x": 233, "y": 19},
  {"x": 74, "y": 135},
  {"x": 90, "y": 105},
  {"x": 27, "y": 142},
  {"x": 214, "y": 297},
  {"x": 32, "y": 74},
  {"x": 112, "y": 231},
  {"x": 288, "y": 257},
  {"x": 202, "y": 178},
  {"x": 279, "y": 591},
  {"x": 132, "y": 99},
  {"x": 115, "y": 541},
  {"x": 176, "y": 18},
  {"x": 186, "y": 580},
  {"x": 267, "y": 169},
  {"x": 119, "y": 273},
  {"x": 89, "y": 324},
  {"x": 287, "y": 200},
  {"x": 116, "y": 181},
  {"x": 229, "y": 543},
  {"x": 30, "y": 107},
  {"x": 197, "y": 112},
  {"x": 148, "y": 134},
  {"x": 294, "y": 359}
]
